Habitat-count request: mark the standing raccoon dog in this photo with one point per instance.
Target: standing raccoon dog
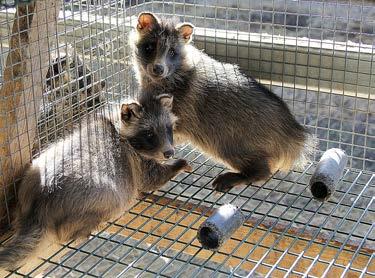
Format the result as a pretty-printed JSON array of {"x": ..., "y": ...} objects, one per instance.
[
  {"x": 226, "y": 114},
  {"x": 92, "y": 176}
]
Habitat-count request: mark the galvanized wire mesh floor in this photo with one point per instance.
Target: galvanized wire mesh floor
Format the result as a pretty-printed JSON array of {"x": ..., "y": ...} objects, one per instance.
[{"x": 286, "y": 231}]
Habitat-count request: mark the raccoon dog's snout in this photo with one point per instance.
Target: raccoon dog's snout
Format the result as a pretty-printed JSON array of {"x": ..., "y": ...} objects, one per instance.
[
  {"x": 168, "y": 150},
  {"x": 168, "y": 154},
  {"x": 158, "y": 69}
]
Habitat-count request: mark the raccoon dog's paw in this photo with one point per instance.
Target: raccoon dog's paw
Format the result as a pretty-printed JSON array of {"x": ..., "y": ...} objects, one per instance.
[
  {"x": 183, "y": 165},
  {"x": 221, "y": 184},
  {"x": 227, "y": 181}
]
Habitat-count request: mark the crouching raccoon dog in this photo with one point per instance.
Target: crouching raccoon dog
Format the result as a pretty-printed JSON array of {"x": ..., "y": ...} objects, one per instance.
[
  {"x": 226, "y": 114},
  {"x": 93, "y": 175}
]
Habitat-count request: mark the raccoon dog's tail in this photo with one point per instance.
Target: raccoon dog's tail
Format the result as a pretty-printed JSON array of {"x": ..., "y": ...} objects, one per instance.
[
  {"x": 23, "y": 244},
  {"x": 308, "y": 150}
]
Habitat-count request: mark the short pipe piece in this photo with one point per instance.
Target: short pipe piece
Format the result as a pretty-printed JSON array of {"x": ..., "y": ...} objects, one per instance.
[
  {"x": 220, "y": 226},
  {"x": 328, "y": 173}
]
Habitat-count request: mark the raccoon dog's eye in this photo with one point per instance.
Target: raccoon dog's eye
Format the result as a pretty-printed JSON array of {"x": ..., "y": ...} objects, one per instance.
[
  {"x": 150, "y": 47},
  {"x": 149, "y": 134},
  {"x": 172, "y": 52}
]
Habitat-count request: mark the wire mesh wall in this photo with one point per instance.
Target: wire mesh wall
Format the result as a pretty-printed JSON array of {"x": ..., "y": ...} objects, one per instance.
[{"x": 317, "y": 55}]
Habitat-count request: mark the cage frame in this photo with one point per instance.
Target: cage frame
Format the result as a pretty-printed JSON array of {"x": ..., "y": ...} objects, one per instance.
[{"x": 156, "y": 202}]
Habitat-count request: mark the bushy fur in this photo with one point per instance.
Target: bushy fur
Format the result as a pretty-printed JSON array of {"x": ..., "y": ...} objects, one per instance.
[
  {"x": 226, "y": 114},
  {"x": 93, "y": 175}
]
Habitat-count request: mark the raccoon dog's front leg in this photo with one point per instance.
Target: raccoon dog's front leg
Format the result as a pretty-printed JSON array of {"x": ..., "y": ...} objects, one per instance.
[
  {"x": 159, "y": 174},
  {"x": 255, "y": 170}
]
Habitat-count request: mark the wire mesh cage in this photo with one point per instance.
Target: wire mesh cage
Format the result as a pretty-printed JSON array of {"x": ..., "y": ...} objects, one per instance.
[{"x": 316, "y": 55}]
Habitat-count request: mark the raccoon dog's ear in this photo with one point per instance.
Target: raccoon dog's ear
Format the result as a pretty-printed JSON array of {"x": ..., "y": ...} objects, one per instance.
[
  {"x": 146, "y": 21},
  {"x": 130, "y": 110},
  {"x": 166, "y": 100},
  {"x": 186, "y": 31}
]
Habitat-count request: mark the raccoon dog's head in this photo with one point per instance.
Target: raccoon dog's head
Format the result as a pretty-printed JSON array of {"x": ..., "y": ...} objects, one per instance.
[
  {"x": 158, "y": 45},
  {"x": 148, "y": 126}
]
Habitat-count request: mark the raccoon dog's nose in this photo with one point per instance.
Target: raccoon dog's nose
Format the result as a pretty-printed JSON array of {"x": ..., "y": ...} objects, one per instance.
[
  {"x": 168, "y": 154},
  {"x": 158, "y": 69}
]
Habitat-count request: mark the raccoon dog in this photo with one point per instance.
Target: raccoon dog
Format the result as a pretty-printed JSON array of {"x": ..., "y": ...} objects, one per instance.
[
  {"x": 92, "y": 176},
  {"x": 226, "y": 114}
]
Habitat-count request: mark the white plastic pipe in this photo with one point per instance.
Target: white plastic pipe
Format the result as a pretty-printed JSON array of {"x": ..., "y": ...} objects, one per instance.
[
  {"x": 328, "y": 173},
  {"x": 220, "y": 226}
]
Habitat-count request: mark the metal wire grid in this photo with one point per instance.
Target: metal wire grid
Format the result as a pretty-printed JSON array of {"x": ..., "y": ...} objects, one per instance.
[
  {"x": 335, "y": 57},
  {"x": 286, "y": 232},
  {"x": 338, "y": 120},
  {"x": 102, "y": 53},
  {"x": 345, "y": 121}
]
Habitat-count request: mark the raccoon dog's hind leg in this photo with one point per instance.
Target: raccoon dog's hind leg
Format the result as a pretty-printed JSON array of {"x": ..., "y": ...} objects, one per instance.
[
  {"x": 24, "y": 243},
  {"x": 255, "y": 169},
  {"x": 79, "y": 226}
]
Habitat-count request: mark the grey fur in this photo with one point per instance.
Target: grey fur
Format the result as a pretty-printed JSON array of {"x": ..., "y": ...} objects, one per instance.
[
  {"x": 93, "y": 175},
  {"x": 226, "y": 114}
]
